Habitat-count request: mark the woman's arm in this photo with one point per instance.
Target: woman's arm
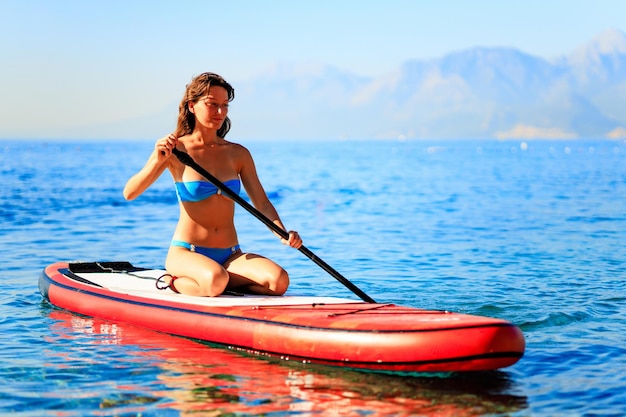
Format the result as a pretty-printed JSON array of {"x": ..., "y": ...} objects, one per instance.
[
  {"x": 154, "y": 167},
  {"x": 255, "y": 191}
]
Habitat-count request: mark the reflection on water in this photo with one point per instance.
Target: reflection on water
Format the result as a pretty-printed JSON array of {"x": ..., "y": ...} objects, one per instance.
[{"x": 184, "y": 377}]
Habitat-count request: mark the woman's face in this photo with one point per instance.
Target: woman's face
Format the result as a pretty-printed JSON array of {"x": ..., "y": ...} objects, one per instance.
[{"x": 211, "y": 110}]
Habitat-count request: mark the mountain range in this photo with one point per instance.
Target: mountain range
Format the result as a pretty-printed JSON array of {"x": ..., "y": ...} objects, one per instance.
[{"x": 474, "y": 93}]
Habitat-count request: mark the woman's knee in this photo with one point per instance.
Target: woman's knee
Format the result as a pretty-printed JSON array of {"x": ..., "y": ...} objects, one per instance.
[
  {"x": 210, "y": 280},
  {"x": 213, "y": 282},
  {"x": 280, "y": 282}
]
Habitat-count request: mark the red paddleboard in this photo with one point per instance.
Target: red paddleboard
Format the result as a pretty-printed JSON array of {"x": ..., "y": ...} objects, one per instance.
[{"x": 323, "y": 330}]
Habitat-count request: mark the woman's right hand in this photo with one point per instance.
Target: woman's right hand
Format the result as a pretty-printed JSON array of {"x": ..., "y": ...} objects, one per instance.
[
  {"x": 153, "y": 168},
  {"x": 164, "y": 146}
]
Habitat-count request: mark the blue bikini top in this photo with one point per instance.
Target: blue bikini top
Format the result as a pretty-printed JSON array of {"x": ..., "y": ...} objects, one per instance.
[{"x": 201, "y": 190}]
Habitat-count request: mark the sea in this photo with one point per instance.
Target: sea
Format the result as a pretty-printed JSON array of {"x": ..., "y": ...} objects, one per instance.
[{"x": 533, "y": 232}]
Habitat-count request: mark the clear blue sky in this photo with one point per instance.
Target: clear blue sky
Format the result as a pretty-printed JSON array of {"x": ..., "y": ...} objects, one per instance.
[{"x": 68, "y": 65}]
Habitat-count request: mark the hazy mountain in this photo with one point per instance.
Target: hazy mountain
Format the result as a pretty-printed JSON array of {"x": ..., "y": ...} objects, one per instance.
[{"x": 480, "y": 92}]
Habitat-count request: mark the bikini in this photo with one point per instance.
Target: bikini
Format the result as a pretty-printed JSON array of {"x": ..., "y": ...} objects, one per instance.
[
  {"x": 219, "y": 255},
  {"x": 194, "y": 191}
]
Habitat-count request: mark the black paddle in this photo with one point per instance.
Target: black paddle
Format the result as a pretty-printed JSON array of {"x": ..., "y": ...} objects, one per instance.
[{"x": 188, "y": 160}]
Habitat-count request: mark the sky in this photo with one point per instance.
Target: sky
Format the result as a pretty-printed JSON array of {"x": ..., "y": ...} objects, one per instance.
[{"x": 70, "y": 67}]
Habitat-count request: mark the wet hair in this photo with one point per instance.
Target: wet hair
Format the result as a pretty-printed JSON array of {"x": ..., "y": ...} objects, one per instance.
[{"x": 196, "y": 89}]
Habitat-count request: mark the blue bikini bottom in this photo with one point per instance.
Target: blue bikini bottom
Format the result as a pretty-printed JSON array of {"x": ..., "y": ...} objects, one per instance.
[{"x": 219, "y": 255}]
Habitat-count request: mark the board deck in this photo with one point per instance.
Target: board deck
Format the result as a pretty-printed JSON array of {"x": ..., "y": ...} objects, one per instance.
[{"x": 142, "y": 283}]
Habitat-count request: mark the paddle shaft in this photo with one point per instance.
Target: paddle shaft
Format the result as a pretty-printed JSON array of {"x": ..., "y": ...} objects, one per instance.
[{"x": 188, "y": 160}]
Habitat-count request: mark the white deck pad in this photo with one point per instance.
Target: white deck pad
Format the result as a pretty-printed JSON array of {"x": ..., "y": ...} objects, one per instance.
[{"x": 143, "y": 284}]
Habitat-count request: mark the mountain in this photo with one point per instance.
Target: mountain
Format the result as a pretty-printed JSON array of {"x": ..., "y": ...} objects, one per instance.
[{"x": 474, "y": 93}]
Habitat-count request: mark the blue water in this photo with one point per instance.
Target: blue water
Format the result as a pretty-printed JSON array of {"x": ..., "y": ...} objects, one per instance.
[{"x": 532, "y": 233}]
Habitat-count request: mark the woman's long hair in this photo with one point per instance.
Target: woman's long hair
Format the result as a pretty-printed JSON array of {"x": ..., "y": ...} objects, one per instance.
[{"x": 196, "y": 89}]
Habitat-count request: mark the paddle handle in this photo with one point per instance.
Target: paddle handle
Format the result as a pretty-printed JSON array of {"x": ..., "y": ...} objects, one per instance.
[{"x": 188, "y": 160}]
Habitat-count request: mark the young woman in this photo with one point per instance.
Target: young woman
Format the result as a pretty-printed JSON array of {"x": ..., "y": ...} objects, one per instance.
[{"x": 204, "y": 258}]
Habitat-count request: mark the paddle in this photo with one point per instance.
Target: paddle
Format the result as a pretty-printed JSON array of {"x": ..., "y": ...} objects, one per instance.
[{"x": 188, "y": 160}]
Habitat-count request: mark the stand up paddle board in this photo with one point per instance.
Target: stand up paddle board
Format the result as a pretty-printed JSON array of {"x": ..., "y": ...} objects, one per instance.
[{"x": 323, "y": 330}]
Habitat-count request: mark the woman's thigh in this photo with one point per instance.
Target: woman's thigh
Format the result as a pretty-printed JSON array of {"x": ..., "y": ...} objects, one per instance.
[
  {"x": 210, "y": 276},
  {"x": 257, "y": 272}
]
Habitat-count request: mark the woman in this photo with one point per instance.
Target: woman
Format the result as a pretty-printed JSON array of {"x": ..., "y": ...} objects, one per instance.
[{"x": 204, "y": 258}]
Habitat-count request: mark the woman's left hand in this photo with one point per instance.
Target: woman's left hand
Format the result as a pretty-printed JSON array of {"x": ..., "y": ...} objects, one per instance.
[{"x": 295, "y": 241}]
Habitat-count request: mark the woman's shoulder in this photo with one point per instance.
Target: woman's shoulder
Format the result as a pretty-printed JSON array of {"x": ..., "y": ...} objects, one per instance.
[
  {"x": 240, "y": 156},
  {"x": 239, "y": 150},
  {"x": 188, "y": 143}
]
